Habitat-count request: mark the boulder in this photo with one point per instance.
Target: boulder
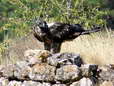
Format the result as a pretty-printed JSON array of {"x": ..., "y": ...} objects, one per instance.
[
  {"x": 68, "y": 72},
  {"x": 61, "y": 59},
  {"x": 42, "y": 72},
  {"x": 22, "y": 70}
]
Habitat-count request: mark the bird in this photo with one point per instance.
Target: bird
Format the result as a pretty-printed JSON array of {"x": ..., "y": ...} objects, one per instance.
[{"x": 54, "y": 34}]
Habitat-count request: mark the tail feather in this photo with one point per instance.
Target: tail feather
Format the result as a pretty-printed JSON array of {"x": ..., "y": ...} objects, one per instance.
[{"x": 91, "y": 31}]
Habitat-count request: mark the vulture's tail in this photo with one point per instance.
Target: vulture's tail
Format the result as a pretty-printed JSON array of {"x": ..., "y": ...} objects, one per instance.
[{"x": 91, "y": 31}]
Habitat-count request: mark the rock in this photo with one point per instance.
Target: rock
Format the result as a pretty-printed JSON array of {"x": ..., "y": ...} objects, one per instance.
[
  {"x": 15, "y": 83},
  {"x": 22, "y": 70},
  {"x": 8, "y": 71},
  {"x": 86, "y": 82},
  {"x": 32, "y": 61},
  {"x": 41, "y": 55},
  {"x": 89, "y": 70},
  {"x": 106, "y": 74},
  {"x": 107, "y": 83},
  {"x": 42, "y": 72},
  {"x": 68, "y": 72},
  {"x": 3, "y": 81},
  {"x": 59, "y": 85},
  {"x": 31, "y": 83},
  {"x": 75, "y": 83},
  {"x": 61, "y": 59},
  {"x": 45, "y": 84},
  {"x": 83, "y": 82}
]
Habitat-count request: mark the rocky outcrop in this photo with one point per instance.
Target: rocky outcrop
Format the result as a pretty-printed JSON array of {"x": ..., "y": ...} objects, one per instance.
[{"x": 41, "y": 68}]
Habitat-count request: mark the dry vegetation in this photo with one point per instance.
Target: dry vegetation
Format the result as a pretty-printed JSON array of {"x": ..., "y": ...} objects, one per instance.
[{"x": 95, "y": 48}]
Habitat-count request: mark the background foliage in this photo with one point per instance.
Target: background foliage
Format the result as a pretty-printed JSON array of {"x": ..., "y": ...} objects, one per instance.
[{"x": 17, "y": 16}]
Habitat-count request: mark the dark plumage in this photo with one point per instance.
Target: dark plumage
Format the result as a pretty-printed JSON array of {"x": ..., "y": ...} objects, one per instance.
[{"x": 53, "y": 35}]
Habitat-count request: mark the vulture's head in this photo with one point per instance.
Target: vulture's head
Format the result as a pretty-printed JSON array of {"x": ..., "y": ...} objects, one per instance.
[{"x": 41, "y": 23}]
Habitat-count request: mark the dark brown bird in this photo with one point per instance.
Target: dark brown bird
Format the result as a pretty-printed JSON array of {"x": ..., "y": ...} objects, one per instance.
[{"x": 54, "y": 34}]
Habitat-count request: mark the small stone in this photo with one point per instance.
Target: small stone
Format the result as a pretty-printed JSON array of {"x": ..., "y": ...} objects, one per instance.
[
  {"x": 68, "y": 72},
  {"x": 31, "y": 83},
  {"x": 39, "y": 54},
  {"x": 22, "y": 64},
  {"x": 59, "y": 85},
  {"x": 86, "y": 82},
  {"x": 45, "y": 84},
  {"x": 3, "y": 81},
  {"x": 32, "y": 61},
  {"x": 83, "y": 82},
  {"x": 75, "y": 83},
  {"x": 15, "y": 83}
]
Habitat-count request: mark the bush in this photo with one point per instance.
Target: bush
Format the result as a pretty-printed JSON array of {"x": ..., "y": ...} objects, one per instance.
[{"x": 17, "y": 16}]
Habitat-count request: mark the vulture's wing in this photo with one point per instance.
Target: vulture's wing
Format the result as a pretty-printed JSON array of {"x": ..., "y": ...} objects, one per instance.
[{"x": 59, "y": 30}]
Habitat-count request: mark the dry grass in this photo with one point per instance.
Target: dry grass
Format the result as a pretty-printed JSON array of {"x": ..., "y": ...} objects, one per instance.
[
  {"x": 106, "y": 83},
  {"x": 95, "y": 49}
]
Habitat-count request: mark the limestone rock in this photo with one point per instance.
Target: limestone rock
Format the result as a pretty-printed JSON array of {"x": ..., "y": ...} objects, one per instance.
[
  {"x": 86, "y": 82},
  {"x": 61, "y": 59},
  {"x": 75, "y": 83},
  {"x": 22, "y": 70},
  {"x": 59, "y": 85},
  {"x": 33, "y": 83},
  {"x": 8, "y": 70},
  {"x": 30, "y": 83},
  {"x": 106, "y": 74},
  {"x": 107, "y": 83},
  {"x": 42, "y": 72},
  {"x": 68, "y": 72},
  {"x": 3, "y": 81},
  {"x": 89, "y": 70},
  {"x": 45, "y": 84},
  {"x": 15, "y": 83},
  {"x": 41, "y": 55},
  {"x": 83, "y": 82}
]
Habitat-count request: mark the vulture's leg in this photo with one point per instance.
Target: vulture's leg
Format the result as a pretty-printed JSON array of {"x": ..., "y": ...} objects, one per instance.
[
  {"x": 47, "y": 46},
  {"x": 55, "y": 47}
]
